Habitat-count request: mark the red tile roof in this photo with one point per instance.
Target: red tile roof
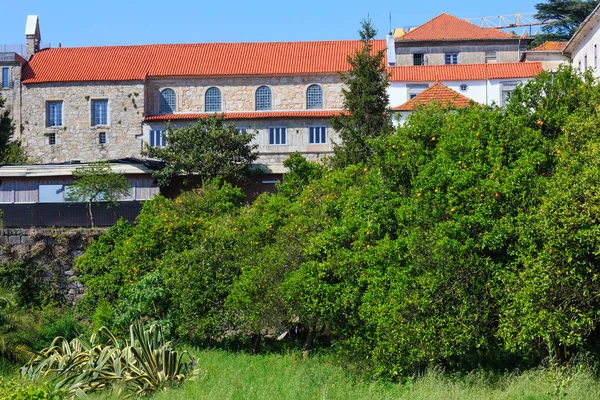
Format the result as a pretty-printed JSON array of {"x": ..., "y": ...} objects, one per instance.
[
  {"x": 248, "y": 115},
  {"x": 440, "y": 93},
  {"x": 135, "y": 63},
  {"x": 550, "y": 46},
  {"x": 464, "y": 72},
  {"x": 449, "y": 27}
]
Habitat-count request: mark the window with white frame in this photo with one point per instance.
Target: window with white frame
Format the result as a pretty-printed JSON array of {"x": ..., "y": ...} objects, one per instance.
[
  {"x": 99, "y": 112},
  {"x": 507, "y": 91},
  {"x": 277, "y": 136},
  {"x": 263, "y": 98},
  {"x": 415, "y": 88},
  {"x": 491, "y": 57},
  {"x": 314, "y": 97},
  {"x": 451, "y": 58},
  {"x": 317, "y": 135},
  {"x": 212, "y": 100},
  {"x": 5, "y": 78},
  {"x": 54, "y": 114},
  {"x": 168, "y": 101},
  {"x": 158, "y": 138}
]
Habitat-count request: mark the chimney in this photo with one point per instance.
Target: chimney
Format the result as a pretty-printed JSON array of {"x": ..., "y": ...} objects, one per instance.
[
  {"x": 32, "y": 35},
  {"x": 391, "y": 49}
]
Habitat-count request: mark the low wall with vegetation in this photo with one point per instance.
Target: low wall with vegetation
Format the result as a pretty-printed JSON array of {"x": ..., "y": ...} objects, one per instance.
[{"x": 44, "y": 258}]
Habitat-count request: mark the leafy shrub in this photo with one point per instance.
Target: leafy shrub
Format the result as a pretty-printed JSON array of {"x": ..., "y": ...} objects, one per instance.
[
  {"x": 22, "y": 390},
  {"x": 143, "y": 364}
]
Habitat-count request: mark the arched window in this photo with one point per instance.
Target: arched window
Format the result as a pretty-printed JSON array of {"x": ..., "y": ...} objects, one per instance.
[
  {"x": 212, "y": 100},
  {"x": 168, "y": 101},
  {"x": 263, "y": 98},
  {"x": 314, "y": 97}
]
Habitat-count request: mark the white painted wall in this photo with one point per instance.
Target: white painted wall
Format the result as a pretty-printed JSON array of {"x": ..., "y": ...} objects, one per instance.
[
  {"x": 589, "y": 46},
  {"x": 483, "y": 92}
]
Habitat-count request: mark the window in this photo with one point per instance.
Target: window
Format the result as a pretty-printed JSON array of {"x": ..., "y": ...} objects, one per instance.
[
  {"x": 51, "y": 193},
  {"x": 99, "y": 112},
  {"x": 451, "y": 58},
  {"x": 277, "y": 136},
  {"x": 464, "y": 87},
  {"x": 212, "y": 100},
  {"x": 317, "y": 135},
  {"x": 415, "y": 89},
  {"x": 52, "y": 138},
  {"x": 54, "y": 114},
  {"x": 5, "y": 80},
  {"x": 314, "y": 97},
  {"x": 418, "y": 59},
  {"x": 585, "y": 62},
  {"x": 595, "y": 56},
  {"x": 102, "y": 138},
  {"x": 490, "y": 57},
  {"x": 579, "y": 65},
  {"x": 168, "y": 101},
  {"x": 157, "y": 139},
  {"x": 241, "y": 130},
  {"x": 507, "y": 90},
  {"x": 263, "y": 98}
]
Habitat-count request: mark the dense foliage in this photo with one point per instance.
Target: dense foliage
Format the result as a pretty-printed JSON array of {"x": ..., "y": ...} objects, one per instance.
[
  {"x": 208, "y": 149},
  {"x": 365, "y": 102},
  {"x": 472, "y": 236},
  {"x": 11, "y": 151}
]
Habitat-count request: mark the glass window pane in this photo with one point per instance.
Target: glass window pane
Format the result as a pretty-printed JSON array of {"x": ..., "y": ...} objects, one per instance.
[
  {"x": 168, "y": 101},
  {"x": 263, "y": 98},
  {"x": 314, "y": 97},
  {"x": 212, "y": 101},
  {"x": 4, "y": 77}
]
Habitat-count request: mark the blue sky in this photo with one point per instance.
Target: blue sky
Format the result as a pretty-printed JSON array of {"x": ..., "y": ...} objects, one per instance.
[{"x": 109, "y": 22}]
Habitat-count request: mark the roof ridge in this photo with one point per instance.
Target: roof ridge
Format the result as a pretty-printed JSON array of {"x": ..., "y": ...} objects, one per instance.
[{"x": 456, "y": 99}]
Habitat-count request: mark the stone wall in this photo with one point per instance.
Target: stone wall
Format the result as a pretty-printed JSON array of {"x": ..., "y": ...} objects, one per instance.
[
  {"x": 12, "y": 94},
  {"x": 77, "y": 139},
  {"x": 237, "y": 93},
  {"x": 467, "y": 53},
  {"x": 54, "y": 251}
]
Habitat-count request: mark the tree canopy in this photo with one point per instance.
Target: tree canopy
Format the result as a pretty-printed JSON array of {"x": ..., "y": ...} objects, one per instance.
[
  {"x": 365, "y": 101},
  {"x": 208, "y": 149},
  {"x": 566, "y": 15}
]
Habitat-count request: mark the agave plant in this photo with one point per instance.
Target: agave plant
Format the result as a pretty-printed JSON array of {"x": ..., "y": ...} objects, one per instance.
[{"x": 142, "y": 364}]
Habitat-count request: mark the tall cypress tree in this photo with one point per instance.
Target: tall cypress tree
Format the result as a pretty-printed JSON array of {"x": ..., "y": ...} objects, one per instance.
[
  {"x": 365, "y": 100},
  {"x": 11, "y": 152}
]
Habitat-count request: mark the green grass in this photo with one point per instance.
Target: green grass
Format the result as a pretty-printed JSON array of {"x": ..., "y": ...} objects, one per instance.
[{"x": 242, "y": 376}]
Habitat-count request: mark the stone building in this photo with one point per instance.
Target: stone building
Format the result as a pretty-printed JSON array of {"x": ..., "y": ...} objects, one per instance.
[{"x": 447, "y": 40}]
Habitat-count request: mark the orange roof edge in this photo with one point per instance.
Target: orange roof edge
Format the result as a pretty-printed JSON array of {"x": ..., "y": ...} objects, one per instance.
[{"x": 437, "y": 93}]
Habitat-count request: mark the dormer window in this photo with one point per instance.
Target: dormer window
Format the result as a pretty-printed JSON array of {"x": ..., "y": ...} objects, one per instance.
[{"x": 168, "y": 101}]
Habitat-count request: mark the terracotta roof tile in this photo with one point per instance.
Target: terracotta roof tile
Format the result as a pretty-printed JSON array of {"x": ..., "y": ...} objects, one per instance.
[
  {"x": 464, "y": 72},
  {"x": 440, "y": 93},
  {"x": 449, "y": 27},
  {"x": 135, "y": 63},
  {"x": 550, "y": 46},
  {"x": 248, "y": 115}
]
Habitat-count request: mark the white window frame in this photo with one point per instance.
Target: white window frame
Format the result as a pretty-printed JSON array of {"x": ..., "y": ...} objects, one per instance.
[
  {"x": 490, "y": 57},
  {"x": 93, "y": 112},
  {"x": 453, "y": 57},
  {"x": 277, "y": 137},
  {"x": 414, "y": 89},
  {"x": 312, "y": 130},
  {"x": 62, "y": 113},
  {"x": 156, "y": 138},
  {"x": 507, "y": 87}
]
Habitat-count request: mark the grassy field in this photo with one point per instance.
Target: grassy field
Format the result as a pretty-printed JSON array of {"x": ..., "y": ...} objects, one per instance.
[{"x": 240, "y": 376}]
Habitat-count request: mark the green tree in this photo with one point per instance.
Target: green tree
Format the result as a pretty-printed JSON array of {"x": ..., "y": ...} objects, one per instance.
[
  {"x": 566, "y": 15},
  {"x": 11, "y": 152},
  {"x": 365, "y": 102},
  {"x": 206, "y": 150},
  {"x": 97, "y": 182}
]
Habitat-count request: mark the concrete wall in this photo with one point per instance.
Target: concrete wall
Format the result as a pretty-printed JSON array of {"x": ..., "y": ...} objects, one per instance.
[
  {"x": 483, "y": 92},
  {"x": 550, "y": 60},
  {"x": 77, "y": 139},
  {"x": 12, "y": 95},
  {"x": 468, "y": 52},
  {"x": 590, "y": 47}
]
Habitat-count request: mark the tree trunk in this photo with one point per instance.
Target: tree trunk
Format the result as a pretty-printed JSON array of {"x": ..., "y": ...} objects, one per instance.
[
  {"x": 255, "y": 343},
  {"x": 91, "y": 215},
  {"x": 310, "y": 336}
]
